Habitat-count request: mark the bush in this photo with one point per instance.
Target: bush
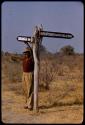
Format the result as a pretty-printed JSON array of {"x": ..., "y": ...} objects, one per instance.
[
  {"x": 67, "y": 50},
  {"x": 47, "y": 72}
]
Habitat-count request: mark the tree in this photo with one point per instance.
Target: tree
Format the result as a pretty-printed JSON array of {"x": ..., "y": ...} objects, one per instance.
[{"x": 67, "y": 50}]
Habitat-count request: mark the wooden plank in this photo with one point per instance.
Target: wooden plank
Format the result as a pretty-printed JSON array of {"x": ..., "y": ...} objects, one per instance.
[
  {"x": 24, "y": 39},
  {"x": 56, "y": 34}
]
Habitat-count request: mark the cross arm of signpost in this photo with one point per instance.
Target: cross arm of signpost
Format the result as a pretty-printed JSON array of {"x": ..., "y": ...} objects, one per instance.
[
  {"x": 56, "y": 34},
  {"x": 24, "y": 39}
]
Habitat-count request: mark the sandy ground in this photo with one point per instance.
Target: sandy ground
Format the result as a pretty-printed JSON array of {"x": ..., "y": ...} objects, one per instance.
[{"x": 13, "y": 111}]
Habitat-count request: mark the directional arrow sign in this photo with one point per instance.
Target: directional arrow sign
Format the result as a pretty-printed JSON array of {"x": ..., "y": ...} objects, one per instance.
[
  {"x": 56, "y": 34},
  {"x": 24, "y": 38}
]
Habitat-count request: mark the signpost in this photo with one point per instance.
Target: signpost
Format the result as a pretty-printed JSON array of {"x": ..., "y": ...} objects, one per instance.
[{"x": 36, "y": 40}]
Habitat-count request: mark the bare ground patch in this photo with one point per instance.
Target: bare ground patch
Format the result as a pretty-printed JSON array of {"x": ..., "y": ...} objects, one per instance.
[{"x": 49, "y": 112}]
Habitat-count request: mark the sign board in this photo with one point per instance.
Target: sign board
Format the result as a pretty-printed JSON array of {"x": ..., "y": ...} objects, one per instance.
[
  {"x": 56, "y": 34},
  {"x": 24, "y": 38}
]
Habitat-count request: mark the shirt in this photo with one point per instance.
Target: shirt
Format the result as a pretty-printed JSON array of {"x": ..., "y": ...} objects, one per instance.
[{"x": 28, "y": 64}]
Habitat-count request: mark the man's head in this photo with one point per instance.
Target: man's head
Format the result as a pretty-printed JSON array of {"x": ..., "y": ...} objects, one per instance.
[{"x": 27, "y": 52}]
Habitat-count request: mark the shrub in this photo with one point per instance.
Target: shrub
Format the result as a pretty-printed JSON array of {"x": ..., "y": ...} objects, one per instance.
[{"x": 67, "y": 50}]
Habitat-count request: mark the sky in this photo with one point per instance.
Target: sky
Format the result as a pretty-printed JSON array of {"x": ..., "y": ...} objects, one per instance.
[{"x": 20, "y": 18}]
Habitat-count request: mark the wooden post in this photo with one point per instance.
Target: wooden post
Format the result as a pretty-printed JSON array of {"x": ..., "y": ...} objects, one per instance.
[{"x": 36, "y": 69}]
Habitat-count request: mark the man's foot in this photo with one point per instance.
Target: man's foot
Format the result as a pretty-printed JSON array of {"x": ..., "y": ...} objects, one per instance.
[
  {"x": 28, "y": 107},
  {"x": 25, "y": 107}
]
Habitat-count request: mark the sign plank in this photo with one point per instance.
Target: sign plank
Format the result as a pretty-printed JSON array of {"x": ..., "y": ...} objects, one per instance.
[
  {"x": 24, "y": 38},
  {"x": 56, "y": 34}
]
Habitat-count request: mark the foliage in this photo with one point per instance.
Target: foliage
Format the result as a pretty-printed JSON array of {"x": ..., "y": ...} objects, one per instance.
[{"x": 67, "y": 50}]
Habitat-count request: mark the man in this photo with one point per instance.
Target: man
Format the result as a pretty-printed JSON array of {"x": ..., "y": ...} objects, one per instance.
[{"x": 27, "y": 78}]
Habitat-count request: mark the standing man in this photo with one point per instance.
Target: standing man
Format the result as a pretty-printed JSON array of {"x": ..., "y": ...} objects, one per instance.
[{"x": 27, "y": 78}]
